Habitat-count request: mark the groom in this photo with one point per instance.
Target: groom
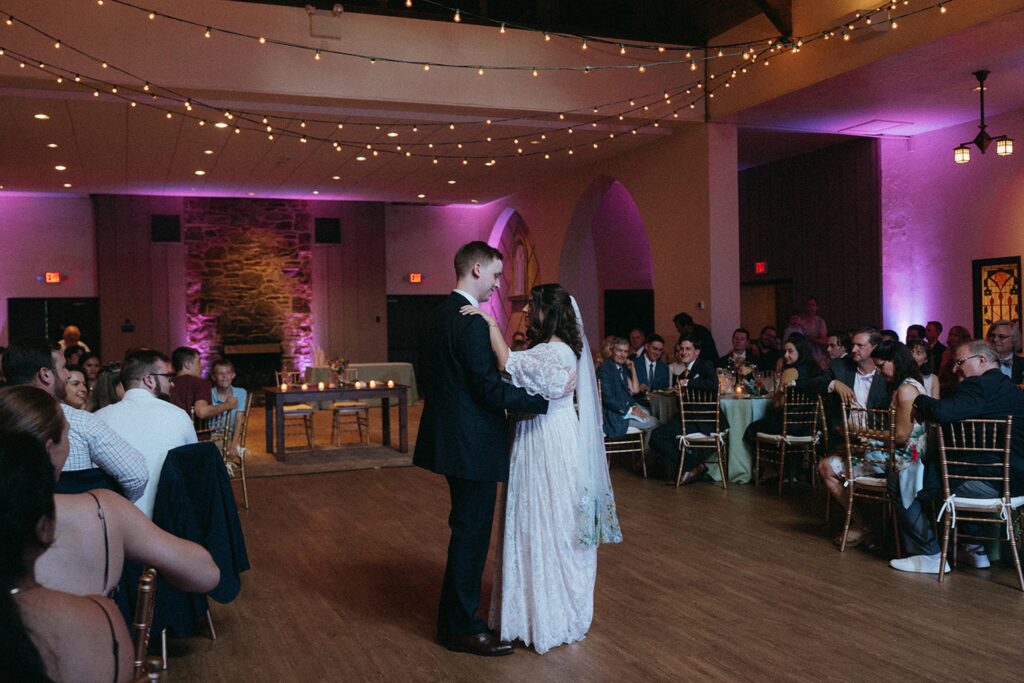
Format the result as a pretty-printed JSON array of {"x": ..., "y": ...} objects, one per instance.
[{"x": 463, "y": 436}]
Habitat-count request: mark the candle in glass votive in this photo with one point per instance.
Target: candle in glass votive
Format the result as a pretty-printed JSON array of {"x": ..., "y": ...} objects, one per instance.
[
  {"x": 305, "y": 386},
  {"x": 320, "y": 386},
  {"x": 358, "y": 384},
  {"x": 391, "y": 384},
  {"x": 373, "y": 384},
  {"x": 284, "y": 386}
]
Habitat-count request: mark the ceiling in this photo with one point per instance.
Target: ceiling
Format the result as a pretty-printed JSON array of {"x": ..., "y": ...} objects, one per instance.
[{"x": 108, "y": 147}]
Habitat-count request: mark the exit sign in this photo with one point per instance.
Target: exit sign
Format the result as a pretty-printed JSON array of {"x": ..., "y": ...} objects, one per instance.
[
  {"x": 760, "y": 267},
  {"x": 415, "y": 278},
  {"x": 52, "y": 278}
]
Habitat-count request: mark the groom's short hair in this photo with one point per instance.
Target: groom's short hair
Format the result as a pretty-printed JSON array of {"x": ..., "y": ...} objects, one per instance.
[{"x": 474, "y": 252}]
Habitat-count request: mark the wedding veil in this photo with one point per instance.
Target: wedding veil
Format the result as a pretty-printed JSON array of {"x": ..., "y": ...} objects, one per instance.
[{"x": 597, "y": 521}]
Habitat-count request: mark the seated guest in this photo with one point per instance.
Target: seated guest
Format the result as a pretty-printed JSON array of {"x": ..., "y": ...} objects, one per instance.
[
  {"x": 900, "y": 371},
  {"x": 108, "y": 387},
  {"x": 948, "y": 376},
  {"x": 96, "y": 531},
  {"x": 72, "y": 337},
  {"x": 637, "y": 342},
  {"x": 915, "y": 331},
  {"x": 145, "y": 419},
  {"x": 223, "y": 373},
  {"x": 651, "y": 371},
  {"x": 838, "y": 346},
  {"x": 687, "y": 328},
  {"x": 738, "y": 355},
  {"x": 930, "y": 381},
  {"x": 99, "y": 456},
  {"x": 935, "y": 347},
  {"x": 48, "y": 635},
  {"x": 794, "y": 327},
  {"x": 798, "y": 366},
  {"x": 1004, "y": 336},
  {"x": 985, "y": 393},
  {"x": 73, "y": 354},
  {"x": 769, "y": 353},
  {"x": 77, "y": 392},
  {"x": 191, "y": 392},
  {"x": 618, "y": 384},
  {"x": 90, "y": 363},
  {"x": 890, "y": 335},
  {"x": 663, "y": 451}
]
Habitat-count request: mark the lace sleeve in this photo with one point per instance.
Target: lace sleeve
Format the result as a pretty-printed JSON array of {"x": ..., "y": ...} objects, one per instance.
[{"x": 547, "y": 370}]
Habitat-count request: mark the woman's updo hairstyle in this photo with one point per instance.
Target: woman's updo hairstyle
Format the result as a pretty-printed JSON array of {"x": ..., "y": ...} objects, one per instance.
[{"x": 551, "y": 315}]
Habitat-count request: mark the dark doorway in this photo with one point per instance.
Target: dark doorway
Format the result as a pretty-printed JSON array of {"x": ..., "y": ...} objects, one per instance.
[
  {"x": 766, "y": 303},
  {"x": 48, "y": 318},
  {"x": 406, "y": 315},
  {"x": 625, "y": 309}
]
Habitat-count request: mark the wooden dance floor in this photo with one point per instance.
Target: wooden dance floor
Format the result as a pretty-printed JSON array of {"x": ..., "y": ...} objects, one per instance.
[{"x": 708, "y": 585}]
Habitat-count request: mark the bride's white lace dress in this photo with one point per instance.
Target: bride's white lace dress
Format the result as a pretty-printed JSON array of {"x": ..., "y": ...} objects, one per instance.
[{"x": 544, "y": 576}]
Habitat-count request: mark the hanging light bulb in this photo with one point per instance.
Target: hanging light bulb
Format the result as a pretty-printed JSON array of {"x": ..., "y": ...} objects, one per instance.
[
  {"x": 962, "y": 154},
  {"x": 458, "y": 16},
  {"x": 206, "y": 33},
  {"x": 502, "y": 29},
  {"x": 1004, "y": 146},
  {"x": 408, "y": 3}
]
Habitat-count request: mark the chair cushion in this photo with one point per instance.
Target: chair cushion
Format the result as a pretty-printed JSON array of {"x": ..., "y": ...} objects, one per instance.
[
  {"x": 872, "y": 482},
  {"x": 298, "y": 408},
  {"x": 985, "y": 504},
  {"x": 791, "y": 440},
  {"x": 634, "y": 430},
  {"x": 350, "y": 404}
]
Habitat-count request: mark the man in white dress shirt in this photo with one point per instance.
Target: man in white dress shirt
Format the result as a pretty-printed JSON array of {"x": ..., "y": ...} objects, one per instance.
[
  {"x": 98, "y": 456},
  {"x": 146, "y": 418}
]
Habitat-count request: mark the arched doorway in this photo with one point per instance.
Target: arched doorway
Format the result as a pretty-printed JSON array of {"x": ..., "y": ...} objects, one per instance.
[
  {"x": 606, "y": 257},
  {"x": 511, "y": 236}
]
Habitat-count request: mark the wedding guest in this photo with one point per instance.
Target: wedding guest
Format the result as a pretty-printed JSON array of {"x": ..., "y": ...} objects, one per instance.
[
  {"x": 738, "y": 355},
  {"x": 915, "y": 331},
  {"x": 108, "y": 388},
  {"x": 77, "y": 392},
  {"x": 48, "y": 635},
  {"x": 90, "y": 363},
  {"x": 685, "y": 326},
  {"x": 651, "y": 371},
  {"x": 935, "y": 347},
  {"x": 73, "y": 354},
  {"x": 814, "y": 325},
  {"x": 794, "y": 327},
  {"x": 96, "y": 531},
  {"x": 618, "y": 382},
  {"x": 637, "y": 341},
  {"x": 1004, "y": 336},
  {"x": 838, "y": 345},
  {"x": 191, "y": 392},
  {"x": 948, "y": 377},
  {"x": 223, "y": 373},
  {"x": 769, "y": 352},
  {"x": 919, "y": 350},
  {"x": 72, "y": 336},
  {"x": 890, "y": 335},
  {"x": 798, "y": 365}
]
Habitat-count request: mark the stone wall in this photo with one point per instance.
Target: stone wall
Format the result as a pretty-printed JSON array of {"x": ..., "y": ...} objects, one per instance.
[{"x": 249, "y": 263}]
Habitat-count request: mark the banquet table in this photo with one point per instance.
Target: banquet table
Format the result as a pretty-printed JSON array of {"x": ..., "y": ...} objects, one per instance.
[
  {"x": 278, "y": 399},
  {"x": 740, "y": 412}
]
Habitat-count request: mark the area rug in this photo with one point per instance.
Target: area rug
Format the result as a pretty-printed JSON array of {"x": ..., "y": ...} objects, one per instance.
[{"x": 322, "y": 460}]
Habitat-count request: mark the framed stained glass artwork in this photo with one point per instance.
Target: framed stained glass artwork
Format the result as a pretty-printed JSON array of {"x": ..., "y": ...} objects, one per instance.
[{"x": 996, "y": 292}]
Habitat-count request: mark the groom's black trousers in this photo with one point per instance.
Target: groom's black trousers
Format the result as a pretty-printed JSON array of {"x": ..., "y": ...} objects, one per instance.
[{"x": 470, "y": 521}]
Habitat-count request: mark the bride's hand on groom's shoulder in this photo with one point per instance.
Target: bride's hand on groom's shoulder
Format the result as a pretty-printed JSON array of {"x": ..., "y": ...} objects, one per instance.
[{"x": 473, "y": 310}]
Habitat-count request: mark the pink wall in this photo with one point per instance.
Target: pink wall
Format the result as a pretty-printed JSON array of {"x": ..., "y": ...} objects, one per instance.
[
  {"x": 42, "y": 233},
  {"x": 938, "y": 216}
]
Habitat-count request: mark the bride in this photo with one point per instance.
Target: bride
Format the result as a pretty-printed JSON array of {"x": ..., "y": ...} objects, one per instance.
[{"x": 559, "y": 504}]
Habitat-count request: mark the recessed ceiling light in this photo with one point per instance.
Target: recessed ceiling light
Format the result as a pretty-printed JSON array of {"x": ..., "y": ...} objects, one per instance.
[
  {"x": 200, "y": 172},
  {"x": 475, "y": 201},
  {"x": 60, "y": 167},
  {"x": 421, "y": 196},
  {"x": 42, "y": 117},
  {"x": 220, "y": 124},
  {"x": 392, "y": 134},
  {"x": 360, "y": 158},
  {"x": 52, "y": 145},
  {"x": 251, "y": 194},
  {"x": 67, "y": 184},
  {"x": 316, "y": 191},
  {"x": 451, "y": 182},
  {"x": 207, "y": 151},
  {"x": 335, "y": 177}
]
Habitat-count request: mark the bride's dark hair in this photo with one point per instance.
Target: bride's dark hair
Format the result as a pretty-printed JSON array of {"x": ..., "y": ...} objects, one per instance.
[{"x": 551, "y": 315}]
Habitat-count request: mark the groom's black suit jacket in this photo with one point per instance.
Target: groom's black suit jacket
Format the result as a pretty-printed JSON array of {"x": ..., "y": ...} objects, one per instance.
[{"x": 463, "y": 427}]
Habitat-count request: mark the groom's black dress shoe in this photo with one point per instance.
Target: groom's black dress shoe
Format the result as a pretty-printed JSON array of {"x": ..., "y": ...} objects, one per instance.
[{"x": 483, "y": 644}]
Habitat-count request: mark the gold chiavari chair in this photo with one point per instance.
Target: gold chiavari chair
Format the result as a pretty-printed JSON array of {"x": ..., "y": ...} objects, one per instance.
[
  {"x": 303, "y": 411},
  {"x": 142, "y": 621},
  {"x": 235, "y": 458},
  {"x": 801, "y": 413},
  {"x": 697, "y": 410},
  {"x": 869, "y": 430},
  {"x": 632, "y": 443},
  {"x": 978, "y": 450},
  {"x": 359, "y": 411}
]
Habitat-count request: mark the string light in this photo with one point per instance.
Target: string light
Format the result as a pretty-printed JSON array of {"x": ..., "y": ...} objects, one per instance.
[
  {"x": 458, "y": 16},
  {"x": 206, "y": 33}
]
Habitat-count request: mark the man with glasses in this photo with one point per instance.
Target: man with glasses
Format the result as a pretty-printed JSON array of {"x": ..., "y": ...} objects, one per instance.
[
  {"x": 651, "y": 370},
  {"x": 146, "y": 418},
  {"x": 1004, "y": 336},
  {"x": 985, "y": 393}
]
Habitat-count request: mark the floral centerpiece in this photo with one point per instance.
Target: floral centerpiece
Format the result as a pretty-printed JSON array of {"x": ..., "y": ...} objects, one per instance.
[
  {"x": 338, "y": 364},
  {"x": 746, "y": 378}
]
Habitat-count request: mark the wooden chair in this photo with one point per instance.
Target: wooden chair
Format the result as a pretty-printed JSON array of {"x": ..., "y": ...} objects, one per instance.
[
  {"x": 864, "y": 430},
  {"x": 978, "y": 450},
  {"x": 151, "y": 670},
  {"x": 235, "y": 460},
  {"x": 701, "y": 408},
  {"x": 296, "y": 414},
  {"x": 213, "y": 429},
  {"x": 800, "y": 413},
  {"x": 142, "y": 621},
  {"x": 360, "y": 414},
  {"x": 631, "y": 443}
]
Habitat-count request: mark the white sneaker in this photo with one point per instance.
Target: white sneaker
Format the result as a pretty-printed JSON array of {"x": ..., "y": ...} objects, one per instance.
[
  {"x": 974, "y": 554},
  {"x": 921, "y": 564}
]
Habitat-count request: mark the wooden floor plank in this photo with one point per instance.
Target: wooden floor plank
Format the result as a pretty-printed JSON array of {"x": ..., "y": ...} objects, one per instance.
[{"x": 737, "y": 585}]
